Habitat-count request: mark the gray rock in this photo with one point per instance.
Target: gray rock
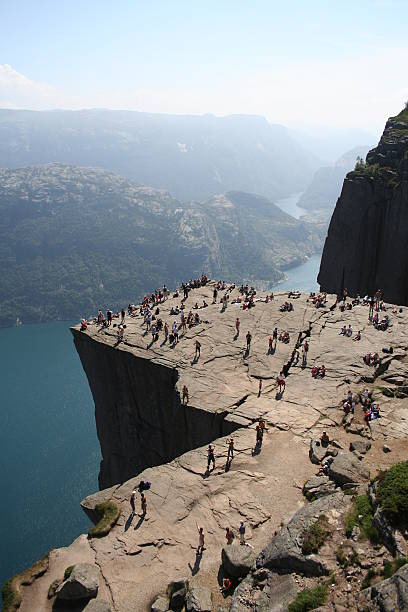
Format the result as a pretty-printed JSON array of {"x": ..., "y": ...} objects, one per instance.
[
  {"x": 284, "y": 553},
  {"x": 178, "y": 591},
  {"x": 97, "y": 605},
  {"x": 199, "y": 599},
  {"x": 83, "y": 583},
  {"x": 361, "y": 446},
  {"x": 386, "y": 448},
  {"x": 318, "y": 486},
  {"x": 161, "y": 604},
  {"x": 347, "y": 468},
  {"x": 392, "y": 595},
  {"x": 275, "y": 595},
  {"x": 317, "y": 452},
  {"x": 237, "y": 560}
]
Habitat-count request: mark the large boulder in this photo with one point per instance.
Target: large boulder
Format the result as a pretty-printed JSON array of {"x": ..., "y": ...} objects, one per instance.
[
  {"x": 177, "y": 591},
  {"x": 199, "y": 599},
  {"x": 237, "y": 560},
  {"x": 317, "y": 452},
  {"x": 391, "y": 595},
  {"x": 318, "y": 486},
  {"x": 273, "y": 594},
  {"x": 360, "y": 446},
  {"x": 97, "y": 605},
  {"x": 346, "y": 468},
  {"x": 83, "y": 583},
  {"x": 284, "y": 553}
]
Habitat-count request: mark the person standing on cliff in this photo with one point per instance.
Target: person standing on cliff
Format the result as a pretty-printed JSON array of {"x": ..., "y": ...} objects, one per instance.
[
  {"x": 123, "y": 314},
  {"x": 230, "y": 443},
  {"x": 210, "y": 457},
  {"x": 200, "y": 546},
  {"x": 143, "y": 503},
  {"x": 185, "y": 394},
  {"x": 109, "y": 317},
  {"x": 378, "y": 295},
  {"x": 305, "y": 351},
  {"x": 166, "y": 331},
  {"x": 242, "y": 533},
  {"x": 132, "y": 501},
  {"x": 248, "y": 341},
  {"x": 197, "y": 349},
  {"x": 215, "y": 293},
  {"x": 237, "y": 324}
]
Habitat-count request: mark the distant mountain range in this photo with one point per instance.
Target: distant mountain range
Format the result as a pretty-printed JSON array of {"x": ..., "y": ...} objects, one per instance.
[
  {"x": 73, "y": 239},
  {"x": 192, "y": 157},
  {"x": 325, "y": 187}
]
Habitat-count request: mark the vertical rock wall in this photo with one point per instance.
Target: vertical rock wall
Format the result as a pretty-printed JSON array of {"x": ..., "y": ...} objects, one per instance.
[
  {"x": 367, "y": 243},
  {"x": 139, "y": 417}
]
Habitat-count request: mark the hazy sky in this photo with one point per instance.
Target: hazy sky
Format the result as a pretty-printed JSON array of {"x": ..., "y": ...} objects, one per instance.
[{"x": 299, "y": 62}]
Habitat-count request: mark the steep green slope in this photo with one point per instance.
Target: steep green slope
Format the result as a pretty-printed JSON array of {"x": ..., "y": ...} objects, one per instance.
[{"x": 75, "y": 239}]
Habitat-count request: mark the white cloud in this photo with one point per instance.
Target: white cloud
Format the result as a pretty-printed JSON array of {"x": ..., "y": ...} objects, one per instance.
[{"x": 18, "y": 91}]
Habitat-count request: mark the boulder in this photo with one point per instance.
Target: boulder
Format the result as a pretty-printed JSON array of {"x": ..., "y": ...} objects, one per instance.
[
  {"x": 97, "y": 605},
  {"x": 161, "y": 604},
  {"x": 317, "y": 452},
  {"x": 386, "y": 448},
  {"x": 360, "y": 446},
  {"x": 391, "y": 595},
  {"x": 83, "y": 583},
  {"x": 199, "y": 599},
  {"x": 275, "y": 595},
  {"x": 237, "y": 560},
  {"x": 178, "y": 591},
  {"x": 284, "y": 553},
  {"x": 318, "y": 486},
  {"x": 346, "y": 468}
]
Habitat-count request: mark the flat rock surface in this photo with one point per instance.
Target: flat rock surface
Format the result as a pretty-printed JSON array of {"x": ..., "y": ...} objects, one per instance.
[{"x": 262, "y": 486}]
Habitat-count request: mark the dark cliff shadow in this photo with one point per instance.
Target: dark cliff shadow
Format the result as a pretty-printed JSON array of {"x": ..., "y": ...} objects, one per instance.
[
  {"x": 195, "y": 569},
  {"x": 129, "y": 521}
]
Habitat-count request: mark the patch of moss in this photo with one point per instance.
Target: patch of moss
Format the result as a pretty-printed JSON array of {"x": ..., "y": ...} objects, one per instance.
[
  {"x": 107, "y": 514},
  {"x": 52, "y": 588},
  {"x": 315, "y": 535},
  {"x": 11, "y": 591},
  {"x": 402, "y": 116},
  {"x": 361, "y": 515},
  {"x": 390, "y": 567},
  {"x": 68, "y": 572},
  {"x": 392, "y": 494},
  {"x": 309, "y": 599}
]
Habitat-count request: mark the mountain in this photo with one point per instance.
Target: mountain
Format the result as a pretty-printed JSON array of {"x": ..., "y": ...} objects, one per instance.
[
  {"x": 366, "y": 246},
  {"x": 74, "y": 239},
  {"x": 323, "y": 191},
  {"x": 192, "y": 157}
]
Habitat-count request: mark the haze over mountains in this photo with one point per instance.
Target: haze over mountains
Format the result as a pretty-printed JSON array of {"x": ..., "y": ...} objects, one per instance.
[{"x": 192, "y": 157}]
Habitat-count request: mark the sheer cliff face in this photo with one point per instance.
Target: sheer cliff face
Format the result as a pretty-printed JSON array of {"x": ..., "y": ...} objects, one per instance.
[
  {"x": 367, "y": 243},
  {"x": 139, "y": 418}
]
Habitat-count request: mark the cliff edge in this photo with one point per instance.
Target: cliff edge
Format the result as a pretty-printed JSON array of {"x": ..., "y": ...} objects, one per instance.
[{"x": 366, "y": 245}]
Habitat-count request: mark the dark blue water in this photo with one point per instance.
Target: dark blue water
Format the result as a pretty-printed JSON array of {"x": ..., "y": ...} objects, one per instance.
[{"x": 49, "y": 452}]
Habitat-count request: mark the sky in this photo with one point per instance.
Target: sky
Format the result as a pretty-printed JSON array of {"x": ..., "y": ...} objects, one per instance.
[{"x": 304, "y": 63}]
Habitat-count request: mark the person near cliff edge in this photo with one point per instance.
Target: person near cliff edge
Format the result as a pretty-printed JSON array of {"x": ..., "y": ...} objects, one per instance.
[
  {"x": 132, "y": 501},
  {"x": 200, "y": 546},
  {"x": 185, "y": 394},
  {"x": 230, "y": 443},
  {"x": 210, "y": 457},
  {"x": 197, "y": 349},
  {"x": 248, "y": 341},
  {"x": 143, "y": 503}
]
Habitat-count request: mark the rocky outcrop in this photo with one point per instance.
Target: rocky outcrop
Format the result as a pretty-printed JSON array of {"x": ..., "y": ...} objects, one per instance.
[
  {"x": 365, "y": 247},
  {"x": 284, "y": 553},
  {"x": 237, "y": 560},
  {"x": 347, "y": 469},
  {"x": 392, "y": 594},
  {"x": 83, "y": 583}
]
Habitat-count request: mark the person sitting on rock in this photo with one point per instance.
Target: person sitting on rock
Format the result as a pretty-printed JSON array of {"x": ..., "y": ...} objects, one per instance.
[
  {"x": 349, "y": 331},
  {"x": 322, "y": 371},
  {"x": 226, "y": 585},
  {"x": 84, "y": 325},
  {"x": 343, "y": 330},
  {"x": 315, "y": 371},
  {"x": 357, "y": 336},
  {"x": 324, "y": 439},
  {"x": 229, "y": 535},
  {"x": 375, "y": 411}
]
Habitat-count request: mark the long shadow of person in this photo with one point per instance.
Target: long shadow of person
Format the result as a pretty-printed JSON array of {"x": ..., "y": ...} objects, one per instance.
[
  {"x": 257, "y": 448},
  {"x": 139, "y": 522},
  {"x": 228, "y": 464},
  {"x": 129, "y": 521},
  {"x": 194, "y": 569}
]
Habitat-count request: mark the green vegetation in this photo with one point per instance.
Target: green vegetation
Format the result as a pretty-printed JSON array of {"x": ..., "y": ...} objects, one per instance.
[
  {"x": 367, "y": 169},
  {"x": 390, "y": 567},
  {"x": 361, "y": 515},
  {"x": 403, "y": 115},
  {"x": 309, "y": 599},
  {"x": 315, "y": 535},
  {"x": 368, "y": 578},
  {"x": 392, "y": 494},
  {"x": 107, "y": 514},
  {"x": 68, "y": 572},
  {"x": 11, "y": 591}
]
